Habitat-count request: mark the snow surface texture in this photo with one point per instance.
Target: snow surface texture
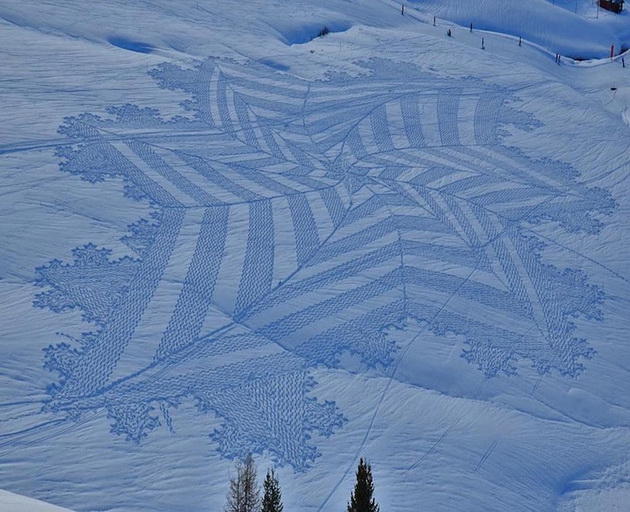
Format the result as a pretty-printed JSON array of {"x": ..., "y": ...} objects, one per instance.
[
  {"x": 14, "y": 502},
  {"x": 567, "y": 27},
  {"x": 346, "y": 226},
  {"x": 362, "y": 245}
]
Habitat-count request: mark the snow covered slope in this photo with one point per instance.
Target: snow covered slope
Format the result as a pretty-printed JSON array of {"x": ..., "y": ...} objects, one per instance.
[
  {"x": 575, "y": 28},
  {"x": 221, "y": 234},
  {"x": 10, "y": 502}
]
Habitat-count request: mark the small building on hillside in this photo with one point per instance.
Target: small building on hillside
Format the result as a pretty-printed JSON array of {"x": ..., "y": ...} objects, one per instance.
[{"x": 611, "y": 5}]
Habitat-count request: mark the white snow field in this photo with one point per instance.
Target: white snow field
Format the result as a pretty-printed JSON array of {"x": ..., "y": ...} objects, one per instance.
[
  {"x": 10, "y": 501},
  {"x": 221, "y": 235}
]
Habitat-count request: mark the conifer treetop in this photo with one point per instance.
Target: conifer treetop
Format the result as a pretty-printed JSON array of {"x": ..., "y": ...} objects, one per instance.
[
  {"x": 272, "y": 498},
  {"x": 362, "y": 498}
]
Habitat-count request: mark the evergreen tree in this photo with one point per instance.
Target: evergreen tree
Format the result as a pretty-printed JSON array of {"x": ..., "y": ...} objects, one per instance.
[
  {"x": 362, "y": 499},
  {"x": 244, "y": 495},
  {"x": 272, "y": 499}
]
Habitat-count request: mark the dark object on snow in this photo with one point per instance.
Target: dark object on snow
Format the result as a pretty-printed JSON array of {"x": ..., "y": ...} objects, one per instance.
[
  {"x": 272, "y": 499},
  {"x": 615, "y": 6},
  {"x": 323, "y": 32},
  {"x": 448, "y": 32},
  {"x": 519, "y": 41},
  {"x": 483, "y": 44},
  {"x": 471, "y": 27},
  {"x": 362, "y": 499},
  {"x": 244, "y": 495}
]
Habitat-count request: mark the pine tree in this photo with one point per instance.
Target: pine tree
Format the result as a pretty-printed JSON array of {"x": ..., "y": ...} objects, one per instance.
[
  {"x": 244, "y": 495},
  {"x": 272, "y": 499},
  {"x": 362, "y": 499}
]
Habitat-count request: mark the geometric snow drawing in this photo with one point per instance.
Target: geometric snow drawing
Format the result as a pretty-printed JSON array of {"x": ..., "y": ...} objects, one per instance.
[{"x": 295, "y": 221}]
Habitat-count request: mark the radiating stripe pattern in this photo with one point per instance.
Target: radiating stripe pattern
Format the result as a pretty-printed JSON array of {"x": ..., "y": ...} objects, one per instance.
[{"x": 293, "y": 222}]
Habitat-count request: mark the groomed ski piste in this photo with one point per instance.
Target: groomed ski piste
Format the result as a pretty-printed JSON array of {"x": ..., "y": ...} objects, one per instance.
[{"x": 221, "y": 234}]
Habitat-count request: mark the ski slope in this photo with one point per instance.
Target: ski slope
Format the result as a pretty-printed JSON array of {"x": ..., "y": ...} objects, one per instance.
[{"x": 224, "y": 235}]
